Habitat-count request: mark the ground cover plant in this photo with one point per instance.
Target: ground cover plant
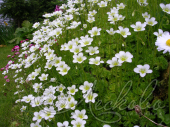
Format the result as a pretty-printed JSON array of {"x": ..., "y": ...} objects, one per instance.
[{"x": 90, "y": 64}]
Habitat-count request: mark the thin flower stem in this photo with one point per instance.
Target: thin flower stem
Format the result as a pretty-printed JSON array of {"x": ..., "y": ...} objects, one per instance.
[
  {"x": 139, "y": 112},
  {"x": 138, "y": 84}
]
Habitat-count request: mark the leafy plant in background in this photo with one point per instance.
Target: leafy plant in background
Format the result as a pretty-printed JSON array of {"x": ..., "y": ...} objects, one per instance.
[
  {"x": 31, "y": 10},
  {"x": 22, "y": 33},
  {"x": 6, "y": 34},
  {"x": 91, "y": 63}
]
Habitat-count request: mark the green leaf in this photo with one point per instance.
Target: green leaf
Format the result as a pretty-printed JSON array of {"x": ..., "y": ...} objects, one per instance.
[
  {"x": 13, "y": 40},
  {"x": 167, "y": 119},
  {"x": 161, "y": 114},
  {"x": 26, "y": 24}
]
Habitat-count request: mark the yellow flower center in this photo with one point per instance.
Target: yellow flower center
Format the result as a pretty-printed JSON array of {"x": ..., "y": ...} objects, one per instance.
[
  {"x": 86, "y": 87},
  {"x": 60, "y": 89},
  {"x": 115, "y": 63},
  {"x": 72, "y": 91},
  {"x": 80, "y": 116},
  {"x": 168, "y": 42},
  {"x": 87, "y": 42},
  {"x": 95, "y": 32},
  {"x": 166, "y": 9},
  {"x": 79, "y": 59},
  {"x": 142, "y": 1},
  {"x": 143, "y": 71},
  {"x": 123, "y": 33},
  {"x": 90, "y": 97}
]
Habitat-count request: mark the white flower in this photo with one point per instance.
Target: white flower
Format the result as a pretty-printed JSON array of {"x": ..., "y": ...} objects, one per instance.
[
  {"x": 142, "y": 69},
  {"x": 76, "y": 49},
  {"x": 113, "y": 18},
  {"x": 53, "y": 79},
  {"x": 90, "y": 97},
  {"x": 78, "y": 123},
  {"x": 23, "y": 108},
  {"x": 165, "y": 8},
  {"x": 49, "y": 65},
  {"x": 60, "y": 88},
  {"x": 123, "y": 31},
  {"x": 163, "y": 43},
  {"x": 85, "y": 26},
  {"x": 28, "y": 98},
  {"x": 43, "y": 77},
  {"x": 136, "y": 126},
  {"x": 142, "y": 2},
  {"x": 95, "y": 31},
  {"x": 61, "y": 104},
  {"x": 69, "y": 46},
  {"x": 95, "y": 61},
  {"x": 113, "y": 11},
  {"x": 56, "y": 61},
  {"x": 72, "y": 90},
  {"x": 68, "y": 17},
  {"x": 79, "y": 58},
  {"x": 124, "y": 56},
  {"x": 35, "y": 124},
  {"x": 113, "y": 62},
  {"x": 92, "y": 13},
  {"x": 71, "y": 104},
  {"x": 160, "y": 33},
  {"x": 37, "y": 101},
  {"x": 79, "y": 114},
  {"x": 106, "y": 125},
  {"x": 102, "y": 4},
  {"x": 64, "y": 124},
  {"x": 90, "y": 19},
  {"x": 49, "y": 99},
  {"x": 92, "y": 50},
  {"x": 86, "y": 86},
  {"x": 151, "y": 21},
  {"x": 139, "y": 26},
  {"x": 60, "y": 65},
  {"x": 146, "y": 15},
  {"x": 95, "y": 1},
  {"x": 120, "y": 6},
  {"x": 36, "y": 25},
  {"x": 49, "y": 91},
  {"x": 111, "y": 32},
  {"x": 48, "y": 112},
  {"x": 85, "y": 40},
  {"x": 37, "y": 116},
  {"x": 37, "y": 86},
  {"x": 64, "y": 70}
]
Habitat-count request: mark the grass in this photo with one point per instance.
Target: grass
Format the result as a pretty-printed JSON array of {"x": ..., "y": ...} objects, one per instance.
[{"x": 7, "y": 104}]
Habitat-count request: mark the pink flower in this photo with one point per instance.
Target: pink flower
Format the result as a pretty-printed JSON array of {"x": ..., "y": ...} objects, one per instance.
[
  {"x": 8, "y": 56},
  {"x": 5, "y": 77},
  {"x": 7, "y": 80},
  {"x": 57, "y": 8},
  {"x": 16, "y": 53},
  {"x": 2, "y": 69},
  {"x": 26, "y": 55},
  {"x": 27, "y": 39}
]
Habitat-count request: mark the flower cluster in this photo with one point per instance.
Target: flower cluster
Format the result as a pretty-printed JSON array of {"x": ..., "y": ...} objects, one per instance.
[{"x": 50, "y": 57}]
